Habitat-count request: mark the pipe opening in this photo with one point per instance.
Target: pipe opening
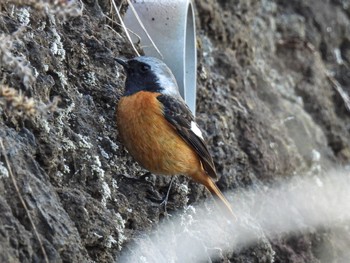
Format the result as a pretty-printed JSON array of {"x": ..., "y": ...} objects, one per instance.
[{"x": 190, "y": 60}]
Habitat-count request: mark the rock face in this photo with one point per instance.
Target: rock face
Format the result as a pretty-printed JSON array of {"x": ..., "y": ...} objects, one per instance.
[{"x": 273, "y": 79}]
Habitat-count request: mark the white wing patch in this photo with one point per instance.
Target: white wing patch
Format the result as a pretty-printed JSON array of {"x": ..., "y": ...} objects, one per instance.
[{"x": 196, "y": 130}]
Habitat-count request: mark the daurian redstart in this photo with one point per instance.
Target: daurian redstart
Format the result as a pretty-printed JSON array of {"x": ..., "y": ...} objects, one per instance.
[{"x": 157, "y": 127}]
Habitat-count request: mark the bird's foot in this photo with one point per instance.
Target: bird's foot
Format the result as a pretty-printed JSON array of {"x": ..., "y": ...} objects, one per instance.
[
  {"x": 146, "y": 176},
  {"x": 166, "y": 198}
]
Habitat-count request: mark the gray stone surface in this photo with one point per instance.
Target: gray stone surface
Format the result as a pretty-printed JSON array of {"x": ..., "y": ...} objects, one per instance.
[{"x": 267, "y": 104}]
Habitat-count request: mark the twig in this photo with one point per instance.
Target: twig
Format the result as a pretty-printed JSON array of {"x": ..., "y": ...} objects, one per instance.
[
  {"x": 143, "y": 27},
  {"x": 23, "y": 202},
  {"x": 340, "y": 90},
  {"x": 300, "y": 44},
  {"x": 124, "y": 27},
  {"x": 132, "y": 32}
]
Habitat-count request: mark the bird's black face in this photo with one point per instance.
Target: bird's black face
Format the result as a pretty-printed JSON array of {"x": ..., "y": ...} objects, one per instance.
[{"x": 139, "y": 76}]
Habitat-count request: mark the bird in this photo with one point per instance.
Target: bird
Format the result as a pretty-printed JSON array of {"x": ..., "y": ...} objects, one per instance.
[{"x": 159, "y": 130}]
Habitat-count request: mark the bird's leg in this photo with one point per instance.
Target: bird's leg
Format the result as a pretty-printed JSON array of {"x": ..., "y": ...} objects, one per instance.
[
  {"x": 165, "y": 200},
  {"x": 153, "y": 195}
]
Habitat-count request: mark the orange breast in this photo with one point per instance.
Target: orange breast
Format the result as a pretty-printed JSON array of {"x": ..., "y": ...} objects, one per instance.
[{"x": 150, "y": 139}]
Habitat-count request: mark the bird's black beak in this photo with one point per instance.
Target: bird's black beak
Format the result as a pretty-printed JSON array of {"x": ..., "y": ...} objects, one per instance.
[{"x": 122, "y": 62}]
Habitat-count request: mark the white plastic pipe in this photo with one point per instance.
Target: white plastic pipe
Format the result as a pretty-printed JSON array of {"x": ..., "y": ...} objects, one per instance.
[{"x": 171, "y": 25}]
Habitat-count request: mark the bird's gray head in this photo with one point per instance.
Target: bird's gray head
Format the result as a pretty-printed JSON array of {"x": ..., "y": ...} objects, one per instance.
[{"x": 148, "y": 74}]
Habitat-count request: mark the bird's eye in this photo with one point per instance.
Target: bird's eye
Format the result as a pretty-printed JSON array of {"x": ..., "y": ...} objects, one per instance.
[{"x": 144, "y": 68}]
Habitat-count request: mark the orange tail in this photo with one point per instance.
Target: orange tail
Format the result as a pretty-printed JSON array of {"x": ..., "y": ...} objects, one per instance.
[
  {"x": 224, "y": 204},
  {"x": 203, "y": 178}
]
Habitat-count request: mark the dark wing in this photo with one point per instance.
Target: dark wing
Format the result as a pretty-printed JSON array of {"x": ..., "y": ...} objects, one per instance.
[{"x": 180, "y": 117}]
